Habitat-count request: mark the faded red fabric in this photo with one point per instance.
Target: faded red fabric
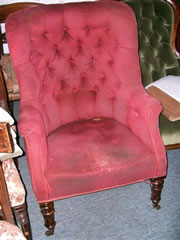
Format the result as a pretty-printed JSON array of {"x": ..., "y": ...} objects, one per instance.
[{"x": 76, "y": 62}]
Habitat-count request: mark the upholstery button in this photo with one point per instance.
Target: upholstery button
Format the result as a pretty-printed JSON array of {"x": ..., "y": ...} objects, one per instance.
[
  {"x": 75, "y": 90},
  {"x": 79, "y": 42},
  {"x": 93, "y": 60},
  {"x": 136, "y": 114},
  {"x": 87, "y": 29},
  {"x": 102, "y": 76},
  {"x": 96, "y": 88},
  {"x": 113, "y": 98},
  {"x": 83, "y": 76},
  {"x": 118, "y": 84},
  {"x": 108, "y": 28},
  {"x": 110, "y": 62},
  {"x": 71, "y": 61},
  {"x": 99, "y": 45},
  {"x": 44, "y": 34}
]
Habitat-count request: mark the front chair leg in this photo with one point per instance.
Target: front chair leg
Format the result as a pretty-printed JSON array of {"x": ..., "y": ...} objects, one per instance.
[
  {"x": 156, "y": 189},
  {"x": 47, "y": 210},
  {"x": 22, "y": 219}
]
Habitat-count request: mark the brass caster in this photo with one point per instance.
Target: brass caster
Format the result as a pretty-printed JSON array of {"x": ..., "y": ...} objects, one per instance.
[
  {"x": 49, "y": 232},
  {"x": 157, "y": 206}
]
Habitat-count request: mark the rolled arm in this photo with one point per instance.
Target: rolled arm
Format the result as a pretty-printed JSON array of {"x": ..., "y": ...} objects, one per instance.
[
  {"x": 143, "y": 120},
  {"x": 143, "y": 116},
  {"x": 30, "y": 120},
  {"x": 31, "y": 127}
]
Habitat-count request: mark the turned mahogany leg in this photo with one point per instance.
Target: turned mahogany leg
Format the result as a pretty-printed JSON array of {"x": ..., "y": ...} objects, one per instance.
[
  {"x": 22, "y": 218},
  {"x": 156, "y": 188},
  {"x": 47, "y": 210}
]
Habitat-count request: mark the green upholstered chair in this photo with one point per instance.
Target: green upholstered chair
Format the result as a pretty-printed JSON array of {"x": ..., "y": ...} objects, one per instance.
[{"x": 158, "y": 58}]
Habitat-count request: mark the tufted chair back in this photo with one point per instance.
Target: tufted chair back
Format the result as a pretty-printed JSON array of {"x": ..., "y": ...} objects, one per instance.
[
  {"x": 155, "y": 26},
  {"x": 77, "y": 61}
]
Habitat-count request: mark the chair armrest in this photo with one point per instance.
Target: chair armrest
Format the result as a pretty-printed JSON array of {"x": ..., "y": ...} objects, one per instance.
[
  {"x": 143, "y": 116},
  {"x": 30, "y": 120},
  {"x": 143, "y": 121},
  {"x": 143, "y": 103},
  {"x": 31, "y": 127}
]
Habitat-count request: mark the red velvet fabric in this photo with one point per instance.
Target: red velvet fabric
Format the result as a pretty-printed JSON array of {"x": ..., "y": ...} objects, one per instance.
[{"x": 76, "y": 62}]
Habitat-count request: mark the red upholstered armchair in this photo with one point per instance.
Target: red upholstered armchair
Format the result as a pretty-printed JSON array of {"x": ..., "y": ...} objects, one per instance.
[{"x": 87, "y": 121}]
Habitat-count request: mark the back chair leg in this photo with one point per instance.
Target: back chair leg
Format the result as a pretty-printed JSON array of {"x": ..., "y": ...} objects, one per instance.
[
  {"x": 156, "y": 189},
  {"x": 22, "y": 219},
  {"x": 47, "y": 210}
]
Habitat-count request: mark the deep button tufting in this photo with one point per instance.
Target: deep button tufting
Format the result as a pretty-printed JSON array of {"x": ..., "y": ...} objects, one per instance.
[
  {"x": 58, "y": 52},
  {"x": 116, "y": 46},
  {"x": 50, "y": 69},
  {"x": 75, "y": 90},
  {"x": 102, "y": 77},
  {"x": 62, "y": 85},
  {"x": 108, "y": 28},
  {"x": 136, "y": 113},
  {"x": 71, "y": 61},
  {"x": 79, "y": 42},
  {"x": 110, "y": 62},
  {"x": 113, "y": 98},
  {"x": 96, "y": 88},
  {"x": 93, "y": 60},
  {"x": 44, "y": 34},
  {"x": 87, "y": 30},
  {"x": 83, "y": 77},
  {"x": 99, "y": 44},
  {"x": 118, "y": 84}
]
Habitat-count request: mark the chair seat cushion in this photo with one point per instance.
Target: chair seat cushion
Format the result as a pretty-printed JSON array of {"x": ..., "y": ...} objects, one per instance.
[{"x": 92, "y": 155}]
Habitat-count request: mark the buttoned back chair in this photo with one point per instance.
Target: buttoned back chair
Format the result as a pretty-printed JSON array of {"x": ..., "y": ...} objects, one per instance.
[{"x": 87, "y": 121}]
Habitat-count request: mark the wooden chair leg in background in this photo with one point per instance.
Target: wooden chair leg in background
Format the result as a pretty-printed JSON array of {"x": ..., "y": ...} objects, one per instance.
[
  {"x": 156, "y": 189},
  {"x": 47, "y": 210},
  {"x": 22, "y": 219}
]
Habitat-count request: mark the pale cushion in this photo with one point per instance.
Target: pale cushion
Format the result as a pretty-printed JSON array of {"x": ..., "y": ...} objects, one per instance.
[
  {"x": 15, "y": 187},
  {"x": 9, "y": 231},
  {"x": 167, "y": 91}
]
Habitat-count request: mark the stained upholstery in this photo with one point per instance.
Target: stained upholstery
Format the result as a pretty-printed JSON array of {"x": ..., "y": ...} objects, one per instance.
[
  {"x": 155, "y": 26},
  {"x": 87, "y": 120}
]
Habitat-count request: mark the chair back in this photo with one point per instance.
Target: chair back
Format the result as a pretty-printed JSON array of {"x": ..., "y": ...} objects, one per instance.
[{"x": 75, "y": 59}]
